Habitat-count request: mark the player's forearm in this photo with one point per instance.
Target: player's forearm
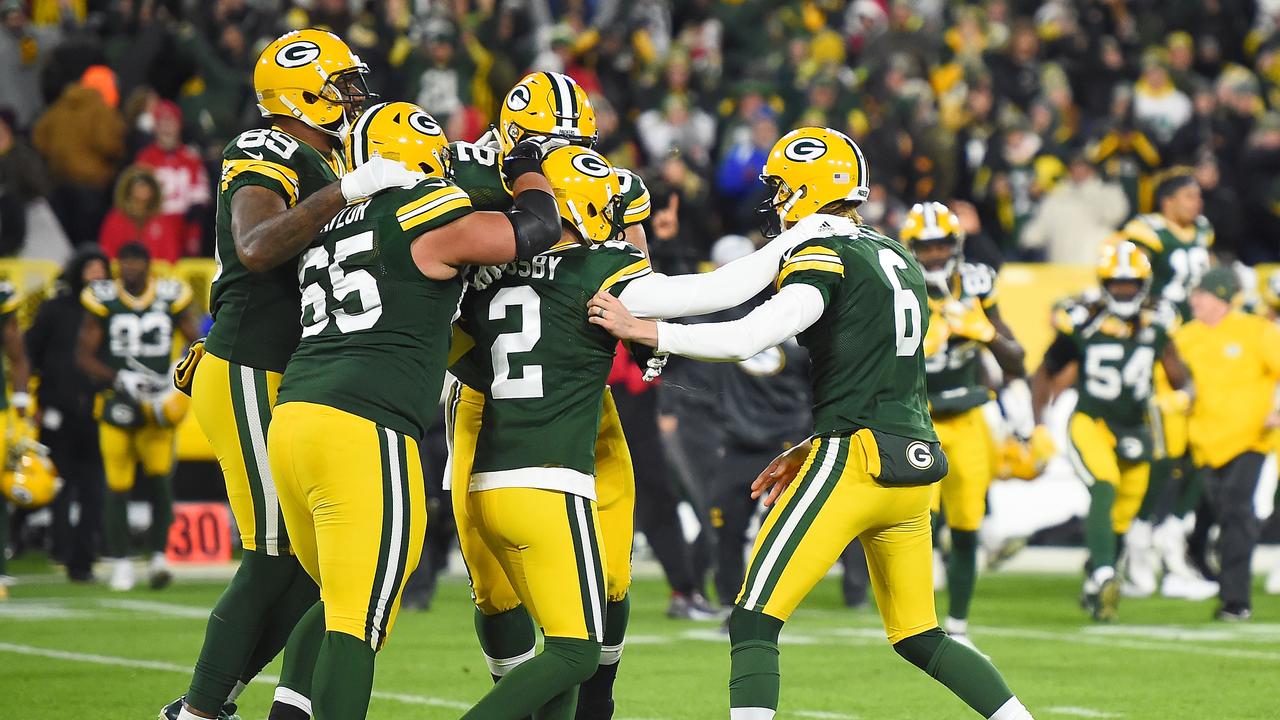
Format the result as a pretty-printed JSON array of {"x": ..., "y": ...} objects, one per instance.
[
  {"x": 95, "y": 368},
  {"x": 1041, "y": 392},
  {"x": 666, "y": 296},
  {"x": 270, "y": 237},
  {"x": 1009, "y": 356},
  {"x": 785, "y": 315}
]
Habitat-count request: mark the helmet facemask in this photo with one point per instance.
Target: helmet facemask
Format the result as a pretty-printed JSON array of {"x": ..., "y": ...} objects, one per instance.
[
  {"x": 777, "y": 205},
  {"x": 938, "y": 269},
  {"x": 1125, "y": 304},
  {"x": 348, "y": 89},
  {"x": 611, "y": 214}
]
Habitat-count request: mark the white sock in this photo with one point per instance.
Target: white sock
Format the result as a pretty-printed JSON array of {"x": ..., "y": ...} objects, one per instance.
[
  {"x": 185, "y": 714},
  {"x": 158, "y": 560},
  {"x": 290, "y": 697},
  {"x": 751, "y": 713},
  {"x": 1012, "y": 709},
  {"x": 499, "y": 667},
  {"x": 235, "y": 691},
  {"x": 955, "y": 626},
  {"x": 611, "y": 654}
]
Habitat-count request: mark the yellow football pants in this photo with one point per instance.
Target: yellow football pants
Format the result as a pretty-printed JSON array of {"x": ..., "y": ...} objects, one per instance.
[
  {"x": 549, "y": 546},
  {"x": 233, "y": 405},
  {"x": 353, "y": 498},
  {"x": 124, "y": 448},
  {"x": 615, "y": 500},
  {"x": 962, "y": 494},
  {"x": 1093, "y": 454},
  {"x": 832, "y": 501}
]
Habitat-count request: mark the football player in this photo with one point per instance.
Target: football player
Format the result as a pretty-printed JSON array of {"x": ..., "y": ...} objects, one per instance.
[
  {"x": 964, "y": 321},
  {"x": 379, "y": 286},
  {"x": 19, "y": 370},
  {"x": 1178, "y": 240},
  {"x": 856, "y": 300},
  {"x": 279, "y": 186},
  {"x": 1111, "y": 340},
  {"x": 126, "y": 344}
]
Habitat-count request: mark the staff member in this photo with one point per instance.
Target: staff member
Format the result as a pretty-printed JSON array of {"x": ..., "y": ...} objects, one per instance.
[{"x": 1234, "y": 359}]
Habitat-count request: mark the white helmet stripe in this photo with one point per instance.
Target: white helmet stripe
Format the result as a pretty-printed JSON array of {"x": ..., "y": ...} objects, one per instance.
[
  {"x": 360, "y": 137},
  {"x": 568, "y": 100}
]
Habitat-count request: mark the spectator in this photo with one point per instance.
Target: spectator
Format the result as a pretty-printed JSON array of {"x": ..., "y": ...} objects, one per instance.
[
  {"x": 738, "y": 175},
  {"x": 1016, "y": 72},
  {"x": 1125, "y": 153},
  {"x": 184, "y": 182},
  {"x": 1260, "y": 186},
  {"x": 1204, "y": 132},
  {"x": 65, "y": 396},
  {"x": 1076, "y": 216},
  {"x": 681, "y": 223},
  {"x": 1158, "y": 104},
  {"x": 81, "y": 137},
  {"x": 24, "y": 49},
  {"x": 22, "y": 179},
  {"x": 439, "y": 76},
  {"x": 1222, "y": 209},
  {"x": 1234, "y": 358},
  {"x": 137, "y": 218},
  {"x": 677, "y": 126}
]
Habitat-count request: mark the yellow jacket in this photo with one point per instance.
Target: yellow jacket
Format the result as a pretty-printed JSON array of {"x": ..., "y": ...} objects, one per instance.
[{"x": 1235, "y": 366}]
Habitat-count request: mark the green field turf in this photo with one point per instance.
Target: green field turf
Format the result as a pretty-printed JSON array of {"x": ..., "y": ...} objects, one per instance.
[{"x": 84, "y": 652}]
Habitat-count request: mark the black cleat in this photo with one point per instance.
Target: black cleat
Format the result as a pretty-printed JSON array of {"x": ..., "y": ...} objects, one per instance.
[{"x": 170, "y": 711}]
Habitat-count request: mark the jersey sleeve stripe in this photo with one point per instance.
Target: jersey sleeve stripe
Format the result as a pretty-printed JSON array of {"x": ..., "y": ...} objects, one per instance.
[
  {"x": 182, "y": 301},
  {"x": 638, "y": 210},
  {"x": 287, "y": 178},
  {"x": 10, "y": 305},
  {"x": 819, "y": 251},
  {"x": 817, "y": 265},
  {"x": 439, "y": 209},
  {"x": 636, "y": 269},
  {"x": 407, "y": 210}
]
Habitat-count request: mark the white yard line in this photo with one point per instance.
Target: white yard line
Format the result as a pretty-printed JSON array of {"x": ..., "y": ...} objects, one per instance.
[
  {"x": 1080, "y": 712},
  {"x": 155, "y": 607}
]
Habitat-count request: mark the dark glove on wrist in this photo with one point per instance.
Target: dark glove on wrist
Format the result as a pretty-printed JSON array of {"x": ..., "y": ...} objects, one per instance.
[{"x": 525, "y": 157}]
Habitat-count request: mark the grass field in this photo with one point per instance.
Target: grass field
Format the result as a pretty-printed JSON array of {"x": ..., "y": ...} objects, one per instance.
[{"x": 83, "y": 652}]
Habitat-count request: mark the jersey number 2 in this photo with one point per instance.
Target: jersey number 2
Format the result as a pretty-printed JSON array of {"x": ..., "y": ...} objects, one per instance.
[
  {"x": 906, "y": 306},
  {"x": 529, "y": 385},
  {"x": 342, "y": 285}
]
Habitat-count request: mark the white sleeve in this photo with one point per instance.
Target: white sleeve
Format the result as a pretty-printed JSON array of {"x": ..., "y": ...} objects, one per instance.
[
  {"x": 669, "y": 296},
  {"x": 782, "y": 317}
]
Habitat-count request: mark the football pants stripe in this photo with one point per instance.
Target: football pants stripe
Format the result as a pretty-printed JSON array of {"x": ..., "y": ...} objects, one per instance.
[
  {"x": 771, "y": 550},
  {"x": 239, "y": 390},
  {"x": 1076, "y": 458},
  {"x": 595, "y": 564},
  {"x": 391, "y": 548},
  {"x": 782, "y": 511},
  {"x": 258, "y": 412},
  {"x": 579, "y": 530}
]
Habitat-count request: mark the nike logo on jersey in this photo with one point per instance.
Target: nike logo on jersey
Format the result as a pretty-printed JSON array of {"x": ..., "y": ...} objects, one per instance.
[{"x": 255, "y": 156}]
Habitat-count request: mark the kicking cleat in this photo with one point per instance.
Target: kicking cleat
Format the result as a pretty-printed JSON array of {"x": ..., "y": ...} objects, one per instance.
[
  {"x": 1101, "y": 594},
  {"x": 173, "y": 709},
  {"x": 1233, "y": 613}
]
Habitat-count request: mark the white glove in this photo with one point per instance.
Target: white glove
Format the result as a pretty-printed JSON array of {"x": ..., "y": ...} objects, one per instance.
[
  {"x": 376, "y": 175},
  {"x": 654, "y": 366},
  {"x": 489, "y": 139},
  {"x": 486, "y": 275},
  {"x": 132, "y": 383}
]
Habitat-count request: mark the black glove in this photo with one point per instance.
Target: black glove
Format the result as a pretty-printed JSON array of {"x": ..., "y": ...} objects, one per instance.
[{"x": 526, "y": 156}]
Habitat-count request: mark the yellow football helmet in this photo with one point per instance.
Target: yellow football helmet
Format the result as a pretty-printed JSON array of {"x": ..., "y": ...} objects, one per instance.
[
  {"x": 399, "y": 131},
  {"x": 29, "y": 479},
  {"x": 1124, "y": 262},
  {"x": 932, "y": 224},
  {"x": 588, "y": 191},
  {"x": 546, "y": 104},
  {"x": 808, "y": 169},
  {"x": 1271, "y": 292},
  {"x": 313, "y": 76}
]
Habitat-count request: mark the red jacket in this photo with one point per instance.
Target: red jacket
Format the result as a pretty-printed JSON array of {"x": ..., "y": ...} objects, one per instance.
[
  {"x": 184, "y": 184},
  {"x": 162, "y": 234}
]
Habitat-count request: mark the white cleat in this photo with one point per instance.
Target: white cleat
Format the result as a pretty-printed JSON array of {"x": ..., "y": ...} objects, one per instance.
[
  {"x": 939, "y": 571},
  {"x": 1187, "y": 586},
  {"x": 1272, "y": 586},
  {"x": 122, "y": 575},
  {"x": 158, "y": 575},
  {"x": 1141, "y": 562}
]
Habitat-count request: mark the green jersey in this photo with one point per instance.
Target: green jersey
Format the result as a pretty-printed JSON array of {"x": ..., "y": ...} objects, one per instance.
[
  {"x": 542, "y": 367},
  {"x": 478, "y": 170},
  {"x": 138, "y": 331},
  {"x": 1178, "y": 257},
  {"x": 955, "y": 370},
  {"x": 375, "y": 330},
  {"x": 1115, "y": 356},
  {"x": 255, "y": 315},
  {"x": 9, "y": 302},
  {"x": 866, "y": 348}
]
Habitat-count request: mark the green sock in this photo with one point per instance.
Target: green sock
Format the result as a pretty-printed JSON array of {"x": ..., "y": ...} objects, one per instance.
[
  {"x": 962, "y": 571},
  {"x": 161, "y": 487},
  {"x": 507, "y": 639},
  {"x": 282, "y": 620},
  {"x": 1192, "y": 488},
  {"x": 755, "y": 679},
  {"x": 545, "y": 686},
  {"x": 964, "y": 671},
  {"x": 115, "y": 524},
  {"x": 595, "y": 697},
  {"x": 343, "y": 678},
  {"x": 1157, "y": 484},
  {"x": 1098, "y": 536},
  {"x": 237, "y": 624},
  {"x": 300, "y": 656}
]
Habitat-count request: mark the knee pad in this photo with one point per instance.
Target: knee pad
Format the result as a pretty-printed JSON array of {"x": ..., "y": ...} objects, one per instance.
[
  {"x": 921, "y": 649},
  {"x": 580, "y": 657}
]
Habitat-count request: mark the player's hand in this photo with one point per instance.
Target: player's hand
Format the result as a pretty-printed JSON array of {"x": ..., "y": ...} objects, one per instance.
[
  {"x": 526, "y": 156},
  {"x": 654, "y": 366},
  {"x": 609, "y": 313},
  {"x": 970, "y": 322},
  {"x": 485, "y": 275},
  {"x": 1043, "y": 448},
  {"x": 1174, "y": 403},
  {"x": 780, "y": 474},
  {"x": 132, "y": 384},
  {"x": 376, "y": 175},
  {"x": 489, "y": 139}
]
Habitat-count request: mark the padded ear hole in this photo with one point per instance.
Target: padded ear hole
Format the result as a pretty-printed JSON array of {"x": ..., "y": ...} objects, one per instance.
[
  {"x": 424, "y": 167},
  {"x": 310, "y": 98},
  {"x": 591, "y": 210}
]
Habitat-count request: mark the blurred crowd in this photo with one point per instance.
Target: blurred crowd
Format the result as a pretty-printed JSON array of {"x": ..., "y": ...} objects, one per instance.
[{"x": 1045, "y": 123}]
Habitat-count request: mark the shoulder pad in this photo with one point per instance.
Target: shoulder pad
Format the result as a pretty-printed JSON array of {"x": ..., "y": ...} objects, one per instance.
[
  {"x": 1072, "y": 313},
  {"x": 103, "y": 290},
  {"x": 170, "y": 289},
  {"x": 976, "y": 279},
  {"x": 1142, "y": 230},
  {"x": 1161, "y": 313}
]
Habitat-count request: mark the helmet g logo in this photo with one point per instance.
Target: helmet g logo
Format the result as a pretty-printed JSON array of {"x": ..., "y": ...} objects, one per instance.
[
  {"x": 591, "y": 165},
  {"x": 919, "y": 456},
  {"x": 518, "y": 98},
  {"x": 297, "y": 54},
  {"x": 805, "y": 149},
  {"x": 423, "y": 123}
]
